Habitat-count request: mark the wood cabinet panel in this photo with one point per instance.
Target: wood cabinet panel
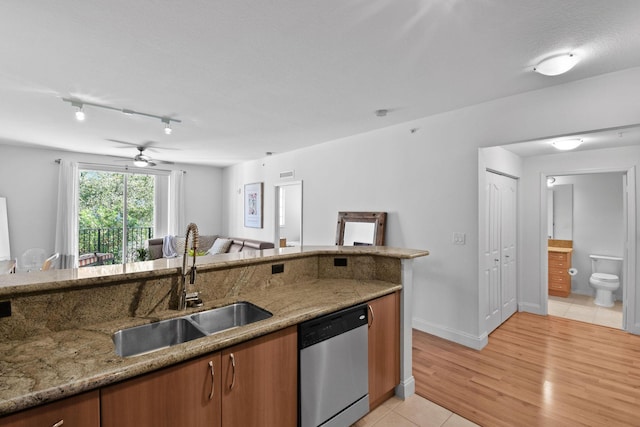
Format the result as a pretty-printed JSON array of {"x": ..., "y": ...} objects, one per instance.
[
  {"x": 559, "y": 279},
  {"x": 77, "y": 411},
  {"x": 180, "y": 395},
  {"x": 262, "y": 388},
  {"x": 384, "y": 348}
]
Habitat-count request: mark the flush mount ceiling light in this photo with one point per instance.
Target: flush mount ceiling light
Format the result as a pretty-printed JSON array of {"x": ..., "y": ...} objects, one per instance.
[
  {"x": 556, "y": 65},
  {"x": 567, "y": 144},
  {"x": 80, "y": 116}
]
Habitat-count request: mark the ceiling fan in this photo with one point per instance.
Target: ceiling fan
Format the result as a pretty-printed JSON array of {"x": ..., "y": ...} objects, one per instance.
[{"x": 141, "y": 160}]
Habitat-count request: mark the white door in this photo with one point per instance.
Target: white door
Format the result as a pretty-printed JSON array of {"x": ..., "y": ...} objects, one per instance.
[{"x": 500, "y": 255}]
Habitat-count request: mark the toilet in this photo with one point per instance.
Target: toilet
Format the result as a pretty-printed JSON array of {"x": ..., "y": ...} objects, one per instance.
[{"x": 605, "y": 278}]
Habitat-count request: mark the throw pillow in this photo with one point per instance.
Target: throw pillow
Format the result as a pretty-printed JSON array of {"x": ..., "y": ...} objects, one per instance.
[{"x": 220, "y": 246}]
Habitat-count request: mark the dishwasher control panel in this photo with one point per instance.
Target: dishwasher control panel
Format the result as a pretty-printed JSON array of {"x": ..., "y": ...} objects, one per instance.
[{"x": 331, "y": 325}]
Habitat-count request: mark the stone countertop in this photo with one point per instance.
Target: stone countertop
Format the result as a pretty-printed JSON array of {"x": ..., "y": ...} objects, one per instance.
[
  {"x": 557, "y": 249},
  {"x": 61, "y": 364},
  {"x": 43, "y": 281}
]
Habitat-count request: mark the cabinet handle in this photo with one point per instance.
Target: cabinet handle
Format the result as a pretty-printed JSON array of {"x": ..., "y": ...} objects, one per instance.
[
  {"x": 212, "y": 379},
  {"x": 58, "y": 424},
  {"x": 233, "y": 365},
  {"x": 372, "y": 316}
]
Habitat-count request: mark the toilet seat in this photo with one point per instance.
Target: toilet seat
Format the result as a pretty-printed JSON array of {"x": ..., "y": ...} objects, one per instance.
[{"x": 604, "y": 277}]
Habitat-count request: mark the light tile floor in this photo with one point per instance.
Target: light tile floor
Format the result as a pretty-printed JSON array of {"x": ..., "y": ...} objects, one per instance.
[
  {"x": 582, "y": 308},
  {"x": 415, "y": 411}
]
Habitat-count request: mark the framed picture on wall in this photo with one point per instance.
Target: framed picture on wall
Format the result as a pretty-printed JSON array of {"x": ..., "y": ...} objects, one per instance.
[{"x": 253, "y": 205}]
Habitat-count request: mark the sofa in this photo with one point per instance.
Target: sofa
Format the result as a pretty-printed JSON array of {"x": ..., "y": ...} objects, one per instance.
[{"x": 205, "y": 243}]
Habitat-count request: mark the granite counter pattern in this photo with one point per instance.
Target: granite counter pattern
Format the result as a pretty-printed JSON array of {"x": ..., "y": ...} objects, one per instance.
[{"x": 48, "y": 367}]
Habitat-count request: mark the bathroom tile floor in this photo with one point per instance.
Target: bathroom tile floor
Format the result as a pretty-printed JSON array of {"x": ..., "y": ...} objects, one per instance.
[
  {"x": 582, "y": 308},
  {"x": 416, "y": 411}
]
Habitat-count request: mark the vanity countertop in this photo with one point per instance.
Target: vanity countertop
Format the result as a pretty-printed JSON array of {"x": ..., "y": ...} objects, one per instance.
[{"x": 557, "y": 249}]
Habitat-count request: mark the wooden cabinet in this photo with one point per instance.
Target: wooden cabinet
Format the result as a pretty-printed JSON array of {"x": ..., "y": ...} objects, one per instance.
[
  {"x": 260, "y": 381},
  {"x": 187, "y": 394},
  {"x": 559, "y": 278},
  {"x": 77, "y": 411},
  {"x": 384, "y": 348}
]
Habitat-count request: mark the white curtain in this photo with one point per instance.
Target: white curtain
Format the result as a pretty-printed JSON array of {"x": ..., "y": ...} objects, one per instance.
[
  {"x": 66, "y": 243},
  {"x": 177, "y": 224}
]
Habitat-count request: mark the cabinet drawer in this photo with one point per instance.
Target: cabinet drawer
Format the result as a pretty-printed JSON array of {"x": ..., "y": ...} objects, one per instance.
[
  {"x": 558, "y": 271},
  {"x": 559, "y": 278},
  {"x": 558, "y": 264},
  {"x": 561, "y": 256}
]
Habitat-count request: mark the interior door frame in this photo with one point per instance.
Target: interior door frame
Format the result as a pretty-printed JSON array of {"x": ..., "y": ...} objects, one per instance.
[
  {"x": 276, "y": 216},
  {"x": 629, "y": 257}
]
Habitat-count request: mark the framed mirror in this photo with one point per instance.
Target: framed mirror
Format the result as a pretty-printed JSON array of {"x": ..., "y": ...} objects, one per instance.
[{"x": 361, "y": 228}]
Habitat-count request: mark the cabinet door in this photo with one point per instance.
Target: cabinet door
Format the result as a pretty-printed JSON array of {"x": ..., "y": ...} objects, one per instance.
[
  {"x": 77, "y": 411},
  {"x": 260, "y": 381},
  {"x": 384, "y": 348},
  {"x": 187, "y": 394}
]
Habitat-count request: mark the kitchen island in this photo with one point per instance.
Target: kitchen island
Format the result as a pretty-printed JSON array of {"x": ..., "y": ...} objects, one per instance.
[{"x": 58, "y": 340}]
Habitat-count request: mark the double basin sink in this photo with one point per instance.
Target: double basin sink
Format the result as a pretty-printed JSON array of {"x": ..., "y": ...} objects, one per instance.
[{"x": 166, "y": 333}]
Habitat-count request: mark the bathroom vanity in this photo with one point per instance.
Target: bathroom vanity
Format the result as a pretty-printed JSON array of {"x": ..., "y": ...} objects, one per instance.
[
  {"x": 57, "y": 345},
  {"x": 559, "y": 263}
]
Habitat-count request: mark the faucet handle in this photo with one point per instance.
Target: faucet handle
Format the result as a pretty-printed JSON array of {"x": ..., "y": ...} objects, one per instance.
[{"x": 192, "y": 275}]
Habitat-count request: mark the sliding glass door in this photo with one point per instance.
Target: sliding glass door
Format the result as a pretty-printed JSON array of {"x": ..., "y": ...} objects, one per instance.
[{"x": 115, "y": 216}]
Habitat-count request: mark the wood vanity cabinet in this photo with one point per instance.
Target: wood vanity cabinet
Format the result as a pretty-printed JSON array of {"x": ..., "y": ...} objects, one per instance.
[
  {"x": 77, "y": 411},
  {"x": 384, "y": 348},
  {"x": 187, "y": 394},
  {"x": 260, "y": 381},
  {"x": 559, "y": 279}
]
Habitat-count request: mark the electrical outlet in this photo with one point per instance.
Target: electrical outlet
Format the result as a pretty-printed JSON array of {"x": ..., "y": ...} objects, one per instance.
[{"x": 459, "y": 238}]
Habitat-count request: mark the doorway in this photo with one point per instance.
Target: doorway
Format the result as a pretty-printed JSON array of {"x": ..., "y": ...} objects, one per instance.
[
  {"x": 586, "y": 212},
  {"x": 499, "y": 248},
  {"x": 288, "y": 214}
]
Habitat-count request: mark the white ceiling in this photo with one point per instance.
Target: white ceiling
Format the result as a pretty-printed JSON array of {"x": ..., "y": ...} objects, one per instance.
[{"x": 247, "y": 77}]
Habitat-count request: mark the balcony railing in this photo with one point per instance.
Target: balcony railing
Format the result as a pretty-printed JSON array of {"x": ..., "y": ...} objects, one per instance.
[{"x": 109, "y": 240}]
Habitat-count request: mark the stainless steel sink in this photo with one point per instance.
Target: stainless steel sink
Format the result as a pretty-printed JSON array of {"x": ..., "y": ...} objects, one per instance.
[
  {"x": 154, "y": 336},
  {"x": 230, "y": 316}
]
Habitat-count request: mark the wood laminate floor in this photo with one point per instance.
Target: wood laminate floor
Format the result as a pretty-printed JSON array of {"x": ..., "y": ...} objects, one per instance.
[{"x": 535, "y": 371}]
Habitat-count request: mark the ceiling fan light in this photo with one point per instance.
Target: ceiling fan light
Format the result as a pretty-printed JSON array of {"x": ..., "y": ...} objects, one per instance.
[
  {"x": 556, "y": 65},
  {"x": 141, "y": 163},
  {"x": 167, "y": 129},
  {"x": 567, "y": 144}
]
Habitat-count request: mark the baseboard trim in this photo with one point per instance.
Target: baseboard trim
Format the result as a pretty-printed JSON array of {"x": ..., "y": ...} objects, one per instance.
[
  {"x": 463, "y": 338},
  {"x": 406, "y": 388},
  {"x": 530, "y": 308}
]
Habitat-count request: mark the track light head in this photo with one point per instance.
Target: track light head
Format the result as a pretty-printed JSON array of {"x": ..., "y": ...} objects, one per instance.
[
  {"x": 79, "y": 112},
  {"x": 167, "y": 125}
]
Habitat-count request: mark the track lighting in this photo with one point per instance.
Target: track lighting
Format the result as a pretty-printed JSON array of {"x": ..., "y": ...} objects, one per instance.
[
  {"x": 80, "y": 116},
  {"x": 167, "y": 125},
  {"x": 79, "y": 113}
]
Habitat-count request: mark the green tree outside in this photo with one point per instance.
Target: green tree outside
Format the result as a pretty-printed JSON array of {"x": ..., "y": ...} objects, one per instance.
[{"x": 101, "y": 212}]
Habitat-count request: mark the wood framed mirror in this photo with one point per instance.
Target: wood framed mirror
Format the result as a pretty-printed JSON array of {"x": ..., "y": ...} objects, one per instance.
[{"x": 361, "y": 228}]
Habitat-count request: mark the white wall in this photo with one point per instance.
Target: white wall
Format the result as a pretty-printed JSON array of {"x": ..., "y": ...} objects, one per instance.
[
  {"x": 29, "y": 181},
  {"x": 598, "y": 226},
  {"x": 427, "y": 181}
]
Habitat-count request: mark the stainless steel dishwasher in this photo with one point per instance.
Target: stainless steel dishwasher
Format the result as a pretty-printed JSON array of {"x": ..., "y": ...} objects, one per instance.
[{"x": 334, "y": 379}]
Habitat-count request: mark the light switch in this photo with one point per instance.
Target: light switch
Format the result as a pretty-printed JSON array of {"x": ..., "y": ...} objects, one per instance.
[{"x": 459, "y": 238}]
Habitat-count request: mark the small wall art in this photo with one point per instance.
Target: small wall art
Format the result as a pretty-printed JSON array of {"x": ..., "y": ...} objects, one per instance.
[{"x": 253, "y": 205}]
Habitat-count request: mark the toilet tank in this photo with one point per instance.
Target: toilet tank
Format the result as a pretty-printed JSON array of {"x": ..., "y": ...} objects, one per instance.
[{"x": 606, "y": 264}]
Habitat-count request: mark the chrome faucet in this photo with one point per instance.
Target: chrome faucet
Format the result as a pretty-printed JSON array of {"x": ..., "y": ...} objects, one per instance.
[{"x": 189, "y": 298}]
